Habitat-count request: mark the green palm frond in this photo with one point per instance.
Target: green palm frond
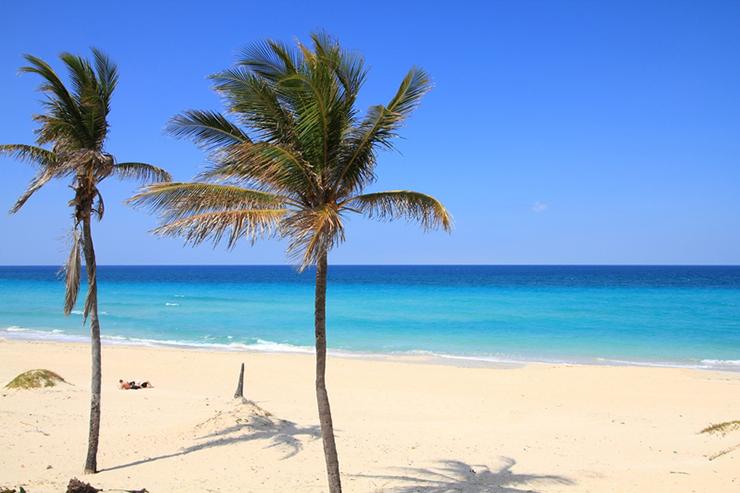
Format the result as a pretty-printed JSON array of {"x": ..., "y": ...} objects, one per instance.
[
  {"x": 59, "y": 98},
  {"x": 143, "y": 172},
  {"x": 348, "y": 68},
  {"x": 257, "y": 104},
  {"x": 92, "y": 104},
  {"x": 174, "y": 201},
  {"x": 251, "y": 224},
  {"x": 76, "y": 118},
  {"x": 209, "y": 129},
  {"x": 396, "y": 204},
  {"x": 107, "y": 73},
  {"x": 267, "y": 166},
  {"x": 377, "y": 130},
  {"x": 319, "y": 114},
  {"x": 82, "y": 78},
  {"x": 270, "y": 60}
]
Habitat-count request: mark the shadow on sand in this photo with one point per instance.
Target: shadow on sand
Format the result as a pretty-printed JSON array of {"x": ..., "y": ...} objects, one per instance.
[
  {"x": 243, "y": 423},
  {"x": 454, "y": 476}
]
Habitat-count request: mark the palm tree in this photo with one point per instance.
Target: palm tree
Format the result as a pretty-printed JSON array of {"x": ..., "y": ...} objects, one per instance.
[
  {"x": 75, "y": 126},
  {"x": 295, "y": 168}
]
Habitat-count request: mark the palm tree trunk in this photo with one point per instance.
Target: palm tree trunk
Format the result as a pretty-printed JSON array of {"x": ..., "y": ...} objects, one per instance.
[
  {"x": 322, "y": 398},
  {"x": 91, "y": 304}
]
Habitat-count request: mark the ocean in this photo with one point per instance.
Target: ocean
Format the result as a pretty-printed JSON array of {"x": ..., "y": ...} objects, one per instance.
[{"x": 647, "y": 315}]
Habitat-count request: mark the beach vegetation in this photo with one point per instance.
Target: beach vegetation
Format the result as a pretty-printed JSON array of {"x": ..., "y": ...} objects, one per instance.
[
  {"x": 70, "y": 145},
  {"x": 722, "y": 428},
  {"x": 35, "y": 379},
  {"x": 292, "y": 158}
]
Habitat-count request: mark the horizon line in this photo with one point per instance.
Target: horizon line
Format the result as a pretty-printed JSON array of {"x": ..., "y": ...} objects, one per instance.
[{"x": 400, "y": 265}]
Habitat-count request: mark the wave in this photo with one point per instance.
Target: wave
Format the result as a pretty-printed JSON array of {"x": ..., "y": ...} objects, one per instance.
[
  {"x": 705, "y": 364},
  {"x": 80, "y": 312},
  {"x": 15, "y": 332},
  {"x": 722, "y": 363},
  {"x": 266, "y": 346},
  {"x": 171, "y": 304}
]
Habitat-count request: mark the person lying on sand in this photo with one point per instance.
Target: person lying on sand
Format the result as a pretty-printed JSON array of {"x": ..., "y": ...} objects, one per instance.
[{"x": 135, "y": 386}]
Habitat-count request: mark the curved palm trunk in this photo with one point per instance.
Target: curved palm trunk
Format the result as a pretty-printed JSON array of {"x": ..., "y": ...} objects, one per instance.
[
  {"x": 322, "y": 398},
  {"x": 91, "y": 463}
]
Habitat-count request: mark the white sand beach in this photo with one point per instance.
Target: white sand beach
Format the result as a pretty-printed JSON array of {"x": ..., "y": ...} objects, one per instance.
[{"x": 401, "y": 427}]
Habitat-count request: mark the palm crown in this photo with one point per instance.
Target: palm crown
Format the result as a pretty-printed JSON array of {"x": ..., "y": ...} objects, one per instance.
[
  {"x": 75, "y": 124},
  {"x": 304, "y": 159}
]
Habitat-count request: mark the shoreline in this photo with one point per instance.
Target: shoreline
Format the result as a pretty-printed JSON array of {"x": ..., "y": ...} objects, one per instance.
[{"x": 57, "y": 336}]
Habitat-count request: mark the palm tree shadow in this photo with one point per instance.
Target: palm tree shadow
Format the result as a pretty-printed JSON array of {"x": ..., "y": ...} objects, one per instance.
[
  {"x": 278, "y": 433},
  {"x": 254, "y": 424},
  {"x": 454, "y": 476}
]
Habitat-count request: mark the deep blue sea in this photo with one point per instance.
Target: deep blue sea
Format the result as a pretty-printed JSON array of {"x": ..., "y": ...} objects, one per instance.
[{"x": 684, "y": 316}]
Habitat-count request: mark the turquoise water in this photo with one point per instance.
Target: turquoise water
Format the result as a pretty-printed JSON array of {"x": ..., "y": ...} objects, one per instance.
[{"x": 647, "y": 315}]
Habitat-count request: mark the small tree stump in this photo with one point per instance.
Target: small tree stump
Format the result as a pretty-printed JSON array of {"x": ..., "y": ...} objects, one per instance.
[{"x": 239, "y": 394}]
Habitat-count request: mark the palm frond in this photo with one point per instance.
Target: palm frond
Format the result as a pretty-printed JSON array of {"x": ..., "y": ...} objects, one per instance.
[
  {"x": 91, "y": 300},
  {"x": 28, "y": 153},
  {"x": 269, "y": 166},
  {"x": 257, "y": 104},
  {"x": 174, "y": 201},
  {"x": 92, "y": 106},
  {"x": 378, "y": 129},
  {"x": 313, "y": 231},
  {"x": 395, "y": 204},
  {"x": 82, "y": 77},
  {"x": 308, "y": 91},
  {"x": 143, "y": 172},
  {"x": 53, "y": 86},
  {"x": 72, "y": 270},
  {"x": 413, "y": 87},
  {"x": 315, "y": 98},
  {"x": 270, "y": 60},
  {"x": 99, "y": 206},
  {"x": 39, "y": 181},
  {"x": 233, "y": 225},
  {"x": 107, "y": 73},
  {"x": 208, "y": 129},
  {"x": 348, "y": 68}
]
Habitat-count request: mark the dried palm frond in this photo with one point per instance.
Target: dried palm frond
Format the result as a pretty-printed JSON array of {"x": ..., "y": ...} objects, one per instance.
[{"x": 72, "y": 270}]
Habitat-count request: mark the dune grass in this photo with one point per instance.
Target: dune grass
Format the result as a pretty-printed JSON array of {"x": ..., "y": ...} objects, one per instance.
[
  {"x": 35, "y": 379},
  {"x": 722, "y": 428}
]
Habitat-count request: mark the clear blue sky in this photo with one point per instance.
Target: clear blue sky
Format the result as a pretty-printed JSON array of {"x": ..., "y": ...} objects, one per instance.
[{"x": 557, "y": 132}]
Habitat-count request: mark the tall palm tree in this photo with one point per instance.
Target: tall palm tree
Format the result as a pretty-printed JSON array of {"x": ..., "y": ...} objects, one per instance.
[
  {"x": 294, "y": 169},
  {"x": 75, "y": 126}
]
